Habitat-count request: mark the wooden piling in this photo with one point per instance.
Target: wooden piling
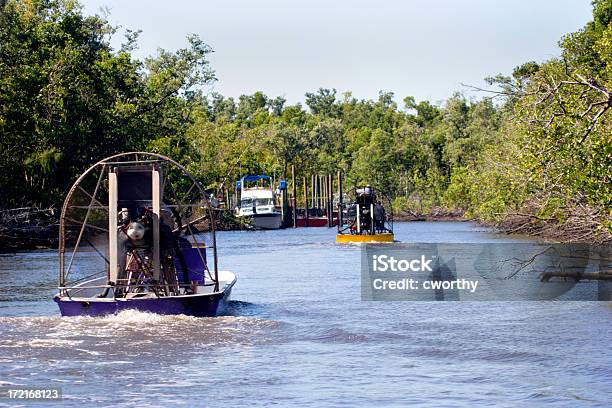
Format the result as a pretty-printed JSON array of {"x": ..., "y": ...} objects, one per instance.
[
  {"x": 330, "y": 200},
  {"x": 283, "y": 205},
  {"x": 340, "y": 221},
  {"x": 324, "y": 197},
  {"x": 305, "y": 202},
  {"x": 316, "y": 191},
  {"x": 312, "y": 189},
  {"x": 323, "y": 192},
  {"x": 294, "y": 198}
]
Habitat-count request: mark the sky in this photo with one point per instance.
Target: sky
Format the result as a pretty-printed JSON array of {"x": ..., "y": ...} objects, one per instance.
[{"x": 421, "y": 48}]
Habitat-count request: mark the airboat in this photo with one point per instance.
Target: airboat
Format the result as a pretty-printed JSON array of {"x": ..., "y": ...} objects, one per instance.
[
  {"x": 365, "y": 215},
  {"x": 137, "y": 231}
]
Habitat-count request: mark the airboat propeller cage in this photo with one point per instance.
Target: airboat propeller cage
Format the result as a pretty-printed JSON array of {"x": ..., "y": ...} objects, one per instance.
[
  {"x": 171, "y": 197},
  {"x": 130, "y": 186}
]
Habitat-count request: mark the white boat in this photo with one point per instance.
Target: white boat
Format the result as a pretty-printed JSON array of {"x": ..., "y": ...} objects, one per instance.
[{"x": 257, "y": 202}]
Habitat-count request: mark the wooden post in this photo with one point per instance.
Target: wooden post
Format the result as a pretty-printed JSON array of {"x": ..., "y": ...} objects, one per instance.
[
  {"x": 340, "y": 221},
  {"x": 305, "y": 202},
  {"x": 327, "y": 188},
  {"x": 327, "y": 212},
  {"x": 315, "y": 190},
  {"x": 282, "y": 206},
  {"x": 324, "y": 194},
  {"x": 321, "y": 191},
  {"x": 318, "y": 195},
  {"x": 330, "y": 200},
  {"x": 317, "y": 187},
  {"x": 294, "y": 198},
  {"x": 312, "y": 191},
  {"x": 286, "y": 202}
]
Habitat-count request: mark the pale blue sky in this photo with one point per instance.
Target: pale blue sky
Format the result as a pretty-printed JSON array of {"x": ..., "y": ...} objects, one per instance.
[{"x": 411, "y": 47}]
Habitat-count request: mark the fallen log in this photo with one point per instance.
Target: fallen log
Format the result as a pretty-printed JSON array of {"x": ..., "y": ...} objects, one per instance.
[{"x": 578, "y": 276}]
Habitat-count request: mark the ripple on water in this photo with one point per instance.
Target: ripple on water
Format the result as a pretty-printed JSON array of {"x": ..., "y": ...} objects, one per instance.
[{"x": 299, "y": 335}]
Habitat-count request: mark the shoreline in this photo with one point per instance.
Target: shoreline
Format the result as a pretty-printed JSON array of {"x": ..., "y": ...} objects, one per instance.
[
  {"x": 525, "y": 225},
  {"x": 46, "y": 235},
  {"x": 47, "y": 238}
]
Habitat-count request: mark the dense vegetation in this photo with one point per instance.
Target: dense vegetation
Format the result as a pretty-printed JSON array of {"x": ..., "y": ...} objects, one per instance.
[{"x": 538, "y": 148}]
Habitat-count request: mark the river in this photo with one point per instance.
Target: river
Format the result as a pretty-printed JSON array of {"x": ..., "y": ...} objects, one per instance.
[{"x": 298, "y": 334}]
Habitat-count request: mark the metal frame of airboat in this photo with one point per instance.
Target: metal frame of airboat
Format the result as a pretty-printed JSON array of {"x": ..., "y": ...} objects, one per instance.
[{"x": 157, "y": 190}]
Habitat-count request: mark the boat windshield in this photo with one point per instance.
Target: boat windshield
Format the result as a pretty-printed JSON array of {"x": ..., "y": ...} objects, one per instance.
[
  {"x": 259, "y": 202},
  {"x": 264, "y": 201}
]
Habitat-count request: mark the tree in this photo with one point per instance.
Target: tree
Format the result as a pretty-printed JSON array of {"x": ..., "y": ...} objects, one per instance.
[
  {"x": 322, "y": 102},
  {"x": 67, "y": 99}
]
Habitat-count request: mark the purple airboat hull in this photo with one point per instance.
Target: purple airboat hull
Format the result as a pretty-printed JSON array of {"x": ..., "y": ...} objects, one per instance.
[
  {"x": 202, "y": 304},
  {"x": 199, "y": 305}
]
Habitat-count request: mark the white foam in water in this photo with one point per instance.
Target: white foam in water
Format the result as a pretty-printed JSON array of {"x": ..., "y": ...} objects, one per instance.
[
  {"x": 52, "y": 343},
  {"x": 136, "y": 317}
]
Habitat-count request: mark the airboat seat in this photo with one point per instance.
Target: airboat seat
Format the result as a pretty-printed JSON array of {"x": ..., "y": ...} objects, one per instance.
[{"x": 193, "y": 256}]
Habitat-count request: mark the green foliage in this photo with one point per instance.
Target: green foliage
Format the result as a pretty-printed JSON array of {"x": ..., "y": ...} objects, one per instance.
[
  {"x": 553, "y": 156},
  {"x": 67, "y": 99}
]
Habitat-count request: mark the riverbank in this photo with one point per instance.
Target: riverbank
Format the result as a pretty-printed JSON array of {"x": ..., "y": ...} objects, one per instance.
[
  {"x": 576, "y": 228},
  {"x": 434, "y": 214},
  {"x": 29, "y": 228},
  {"x": 579, "y": 226},
  {"x": 39, "y": 229}
]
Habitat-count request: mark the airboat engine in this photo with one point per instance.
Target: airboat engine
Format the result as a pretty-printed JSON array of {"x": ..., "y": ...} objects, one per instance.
[
  {"x": 363, "y": 218},
  {"x": 136, "y": 189},
  {"x": 365, "y": 199}
]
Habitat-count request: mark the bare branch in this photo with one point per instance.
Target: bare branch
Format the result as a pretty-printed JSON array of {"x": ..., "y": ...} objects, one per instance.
[
  {"x": 498, "y": 93},
  {"x": 593, "y": 123}
]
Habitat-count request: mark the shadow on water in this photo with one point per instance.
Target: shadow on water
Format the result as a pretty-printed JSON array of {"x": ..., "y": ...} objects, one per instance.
[{"x": 240, "y": 308}]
